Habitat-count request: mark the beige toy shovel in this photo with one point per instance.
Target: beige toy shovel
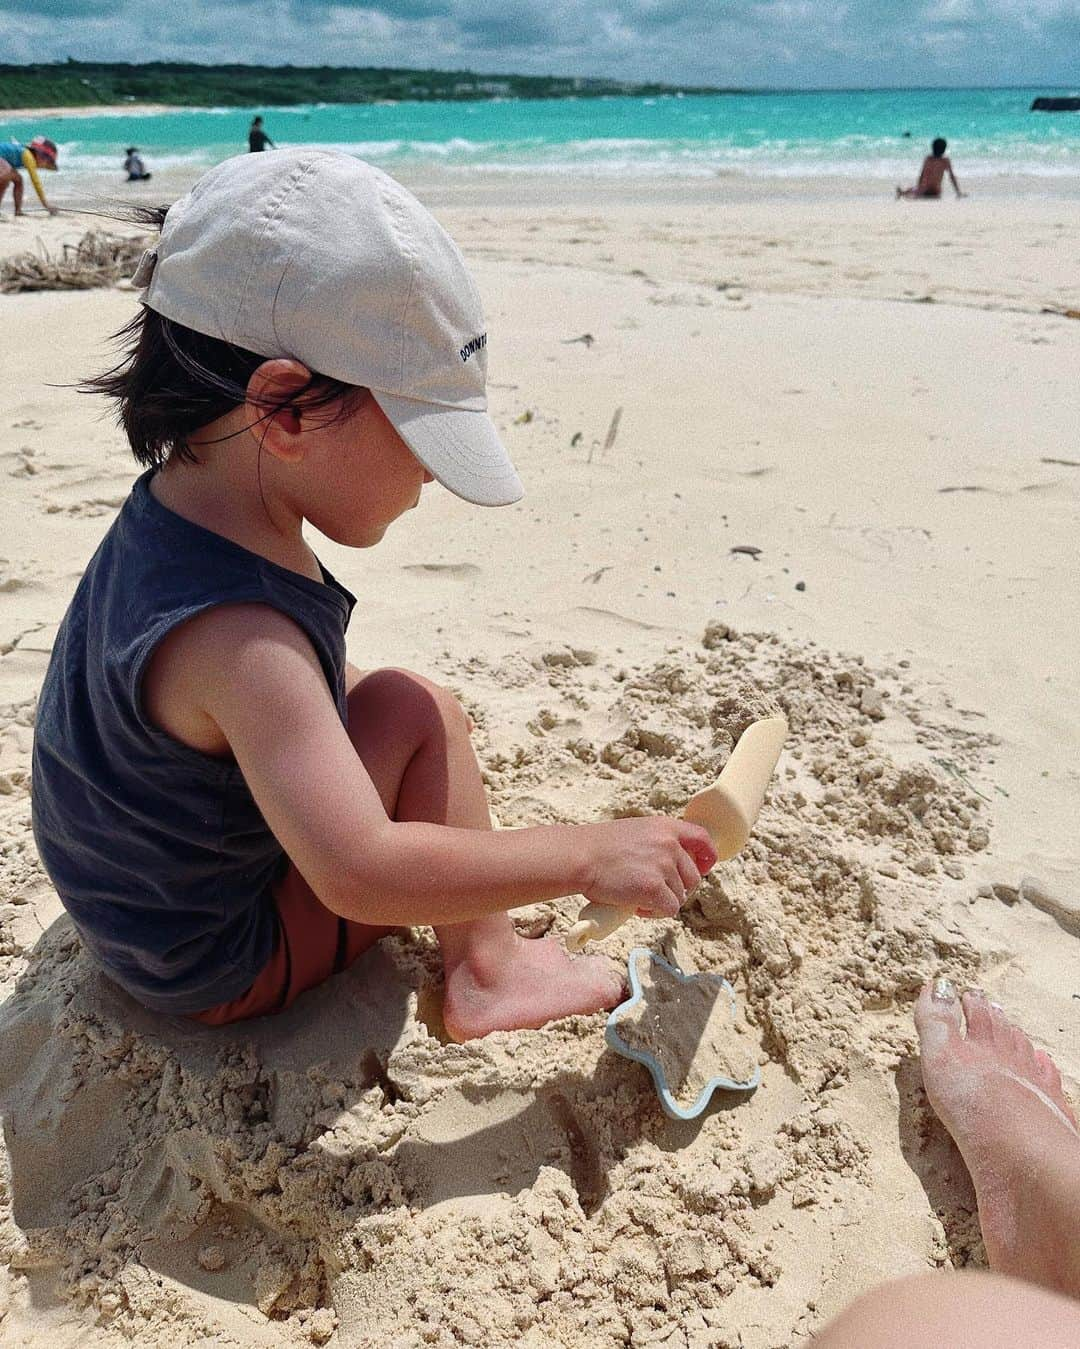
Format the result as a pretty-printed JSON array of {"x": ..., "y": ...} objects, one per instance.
[{"x": 727, "y": 809}]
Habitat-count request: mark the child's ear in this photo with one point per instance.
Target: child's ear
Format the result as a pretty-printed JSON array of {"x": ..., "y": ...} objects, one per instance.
[
  {"x": 273, "y": 419},
  {"x": 286, "y": 443}
]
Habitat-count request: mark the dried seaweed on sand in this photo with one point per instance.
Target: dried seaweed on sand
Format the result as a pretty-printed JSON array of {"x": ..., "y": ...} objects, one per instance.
[{"x": 98, "y": 259}]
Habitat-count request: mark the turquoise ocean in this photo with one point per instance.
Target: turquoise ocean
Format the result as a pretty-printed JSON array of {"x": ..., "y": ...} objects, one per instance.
[{"x": 991, "y": 133}]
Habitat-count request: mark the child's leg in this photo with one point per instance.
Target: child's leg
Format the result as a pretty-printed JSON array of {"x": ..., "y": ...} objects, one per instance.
[{"x": 413, "y": 737}]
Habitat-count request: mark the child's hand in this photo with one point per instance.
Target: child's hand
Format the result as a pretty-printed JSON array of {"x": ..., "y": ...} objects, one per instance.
[{"x": 648, "y": 865}]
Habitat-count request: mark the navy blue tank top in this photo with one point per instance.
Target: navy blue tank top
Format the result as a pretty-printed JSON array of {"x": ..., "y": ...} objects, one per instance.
[{"x": 158, "y": 851}]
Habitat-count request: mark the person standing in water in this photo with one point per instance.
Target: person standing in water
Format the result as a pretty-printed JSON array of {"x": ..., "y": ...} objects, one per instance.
[
  {"x": 935, "y": 166},
  {"x": 257, "y": 137}
]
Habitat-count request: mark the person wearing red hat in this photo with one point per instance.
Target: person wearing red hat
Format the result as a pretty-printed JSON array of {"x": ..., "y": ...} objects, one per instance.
[{"x": 39, "y": 154}]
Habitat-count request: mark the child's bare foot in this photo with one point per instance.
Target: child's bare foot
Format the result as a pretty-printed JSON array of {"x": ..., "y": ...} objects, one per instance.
[
  {"x": 1002, "y": 1101},
  {"x": 524, "y": 985}
]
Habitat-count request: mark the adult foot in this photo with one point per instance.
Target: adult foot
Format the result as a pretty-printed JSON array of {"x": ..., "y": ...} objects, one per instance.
[
  {"x": 526, "y": 985},
  {"x": 1002, "y": 1101}
]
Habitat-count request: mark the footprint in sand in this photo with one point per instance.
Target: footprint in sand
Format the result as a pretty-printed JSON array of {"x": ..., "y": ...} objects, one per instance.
[
  {"x": 24, "y": 462},
  {"x": 24, "y": 466},
  {"x": 10, "y": 584},
  {"x": 27, "y": 424},
  {"x": 13, "y": 577},
  {"x": 89, "y": 508},
  {"x": 20, "y": 462},
  {"x": 88, "y": 495}
]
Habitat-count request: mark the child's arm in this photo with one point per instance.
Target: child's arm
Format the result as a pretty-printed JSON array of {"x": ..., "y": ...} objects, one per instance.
[
  {"x": 259, "y": 681},
  {"x": 952, "y": 177}
]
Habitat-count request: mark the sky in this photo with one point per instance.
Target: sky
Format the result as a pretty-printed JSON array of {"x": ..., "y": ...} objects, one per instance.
[{"x": 778, "y": 43}]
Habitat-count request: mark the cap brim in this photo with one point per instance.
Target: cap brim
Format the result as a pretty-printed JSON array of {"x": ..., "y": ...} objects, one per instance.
[{"x": 461, "y": 449}]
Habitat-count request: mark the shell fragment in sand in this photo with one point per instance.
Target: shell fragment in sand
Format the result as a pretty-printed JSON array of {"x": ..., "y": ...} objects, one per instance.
[{"x": 728, "y": 810}]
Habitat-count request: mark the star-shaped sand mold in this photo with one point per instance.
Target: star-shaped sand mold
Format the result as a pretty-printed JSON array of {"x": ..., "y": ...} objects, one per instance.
[{"x": 682, "y": 1027}]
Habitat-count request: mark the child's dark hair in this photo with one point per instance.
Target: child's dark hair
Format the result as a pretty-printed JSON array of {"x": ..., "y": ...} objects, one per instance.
[
  {"x": 938, "y": 147},
  {"x": 173, "y": 380}
]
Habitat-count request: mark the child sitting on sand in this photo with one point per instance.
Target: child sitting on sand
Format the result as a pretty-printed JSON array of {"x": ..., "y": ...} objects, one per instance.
[
  {"x": 229, "y": 810},
  {"x": 935, "y": 166},
  {"x": 134, "y": 166}
]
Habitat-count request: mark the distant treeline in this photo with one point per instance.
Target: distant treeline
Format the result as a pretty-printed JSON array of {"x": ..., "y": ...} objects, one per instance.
[{"x": 76, "y": 84}]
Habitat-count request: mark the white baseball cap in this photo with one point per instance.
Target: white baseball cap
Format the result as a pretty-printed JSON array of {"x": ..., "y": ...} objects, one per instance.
[{"x": 314, "y": 254}]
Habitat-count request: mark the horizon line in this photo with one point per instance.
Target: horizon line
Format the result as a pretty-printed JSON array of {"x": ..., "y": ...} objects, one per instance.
[{"x": 680, "y": 86}]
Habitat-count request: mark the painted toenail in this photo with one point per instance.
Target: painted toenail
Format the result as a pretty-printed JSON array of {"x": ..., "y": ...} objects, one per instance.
[{"x": 944, "y": 990}]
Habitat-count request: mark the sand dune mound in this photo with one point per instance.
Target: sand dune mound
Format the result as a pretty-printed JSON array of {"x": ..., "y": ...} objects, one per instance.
[{"x": 342, "y": 1172}]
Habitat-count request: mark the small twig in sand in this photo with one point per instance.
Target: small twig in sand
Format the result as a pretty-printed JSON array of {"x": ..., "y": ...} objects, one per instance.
[
  {"x": 950, "y": 767},
  {"x": 613, "y": 429},
  {"x": 612, "y": 432}
]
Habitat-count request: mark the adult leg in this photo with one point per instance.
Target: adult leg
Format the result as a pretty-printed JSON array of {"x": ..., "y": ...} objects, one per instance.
[
  {"x": 1002, "y": 1101},
  {"x": 413, "y": 738},
  {"x": 955, "y": 1311}
]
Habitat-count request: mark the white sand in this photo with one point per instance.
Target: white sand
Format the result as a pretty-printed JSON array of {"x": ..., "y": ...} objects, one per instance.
[
  {"x": 89, "y": 110},
  {"x": 342, "y": 1172}
]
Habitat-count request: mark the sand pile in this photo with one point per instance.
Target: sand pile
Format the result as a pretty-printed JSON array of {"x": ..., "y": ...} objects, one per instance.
[{"x": 340, "y": 1174}]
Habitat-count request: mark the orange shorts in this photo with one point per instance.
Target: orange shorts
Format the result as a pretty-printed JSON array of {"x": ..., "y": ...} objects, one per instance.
[{"x": 310, "y": 944}]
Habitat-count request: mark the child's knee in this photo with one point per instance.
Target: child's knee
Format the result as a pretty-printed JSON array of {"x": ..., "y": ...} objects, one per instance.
[{"x": 405, "y": 695}]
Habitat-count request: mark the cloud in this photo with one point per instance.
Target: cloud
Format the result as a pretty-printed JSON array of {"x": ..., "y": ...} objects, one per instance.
[
  {"x": 404, "y": 10},
  {"x": 494, "y": 24},
  {"x": 809, "y": 43}
]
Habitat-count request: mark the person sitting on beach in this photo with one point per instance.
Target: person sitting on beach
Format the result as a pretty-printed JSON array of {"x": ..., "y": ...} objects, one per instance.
[
  {"x": 1002, "y": 1101},
  {"x": 257, "y": 138},
  {"x": 134, "y": 166},
  {"x": 228, "y": 809},
  {"x": 39, "y": 154},
  {"x": 935, "y": 166}
]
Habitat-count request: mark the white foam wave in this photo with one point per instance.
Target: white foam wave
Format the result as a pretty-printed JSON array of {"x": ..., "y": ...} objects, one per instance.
[{"x": 858, "y": 155}]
